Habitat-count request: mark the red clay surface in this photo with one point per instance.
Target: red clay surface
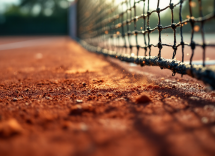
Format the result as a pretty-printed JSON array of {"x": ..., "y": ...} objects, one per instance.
[{"x": 58, "y": 99}]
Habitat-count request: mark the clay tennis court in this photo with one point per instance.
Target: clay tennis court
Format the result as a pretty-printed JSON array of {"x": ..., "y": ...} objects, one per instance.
[{"x": 58, "y": 99}]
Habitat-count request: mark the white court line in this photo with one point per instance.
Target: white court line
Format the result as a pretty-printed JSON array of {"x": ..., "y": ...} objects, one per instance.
[
  {"x": 23, "y": 44},
  {"x": 194, "y": 62},
  {"x": 199, "y": 62}
]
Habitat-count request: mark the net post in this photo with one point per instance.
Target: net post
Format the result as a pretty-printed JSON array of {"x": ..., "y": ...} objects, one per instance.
[{"x": 73, "y": 20}]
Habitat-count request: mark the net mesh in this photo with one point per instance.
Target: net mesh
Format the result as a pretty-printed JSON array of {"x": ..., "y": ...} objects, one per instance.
[{"x": 111, "y": 27}]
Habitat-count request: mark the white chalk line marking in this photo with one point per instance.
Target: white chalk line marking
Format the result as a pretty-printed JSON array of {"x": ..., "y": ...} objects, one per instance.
[{"x": 24, "y": 44}]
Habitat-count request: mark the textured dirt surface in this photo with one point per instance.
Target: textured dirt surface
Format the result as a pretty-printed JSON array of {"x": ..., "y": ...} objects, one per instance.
[{"x": 58, "y": 99}]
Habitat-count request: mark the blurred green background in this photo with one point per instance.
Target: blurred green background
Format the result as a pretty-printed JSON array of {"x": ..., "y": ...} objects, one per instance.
[{"x": 34, "y": 17}]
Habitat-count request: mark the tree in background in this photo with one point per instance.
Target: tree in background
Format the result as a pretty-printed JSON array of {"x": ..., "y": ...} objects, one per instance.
[
  {"x": 36, "y": 17},
  {"x": 45, "y": 7}
]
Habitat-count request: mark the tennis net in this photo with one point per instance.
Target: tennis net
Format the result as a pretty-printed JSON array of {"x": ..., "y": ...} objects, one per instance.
[{"x": 124, "y": 29}]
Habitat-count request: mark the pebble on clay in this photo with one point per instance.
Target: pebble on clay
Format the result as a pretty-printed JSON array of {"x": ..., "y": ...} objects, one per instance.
[
  {"x": 143, "y": 98},
  {"x": 84, "y": 84},
  {"x": 10, "y": 128},
  {"x": 15, "y": 99},
  {"x": 79, "y": 101},
  {"x": 48, "y": 98}
]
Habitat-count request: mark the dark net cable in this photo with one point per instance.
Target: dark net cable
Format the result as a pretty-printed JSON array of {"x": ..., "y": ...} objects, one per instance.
[{"x": 103, "y": 23}]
